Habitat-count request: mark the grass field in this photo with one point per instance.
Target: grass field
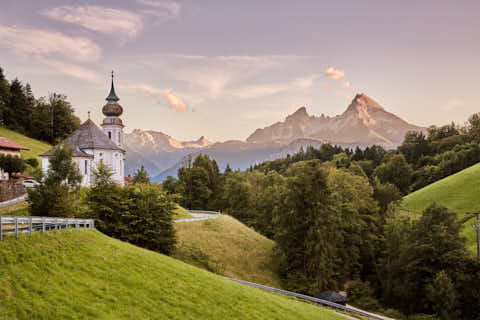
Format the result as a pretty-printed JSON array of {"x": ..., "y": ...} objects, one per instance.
[
  {"x": 226, "y": 246},
  {"x": 17, "y": 209},
  {"x": 181, "y": 213},
  {"x": 87, "y": 275},
  {"x": 459, "y": 192},
  {"x": 36, "y": 147}
]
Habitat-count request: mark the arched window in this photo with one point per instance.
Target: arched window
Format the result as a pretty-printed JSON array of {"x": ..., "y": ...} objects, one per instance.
[
  {"x": 119, "y": 138},
  {"x": 109, "y": 135}
]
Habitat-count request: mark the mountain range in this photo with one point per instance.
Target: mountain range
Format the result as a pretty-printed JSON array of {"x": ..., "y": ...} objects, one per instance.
[{"x": 364, "y": 123}]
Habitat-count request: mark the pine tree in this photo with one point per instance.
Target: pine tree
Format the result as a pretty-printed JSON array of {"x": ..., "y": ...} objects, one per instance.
[{"x": 141, "y": 176}]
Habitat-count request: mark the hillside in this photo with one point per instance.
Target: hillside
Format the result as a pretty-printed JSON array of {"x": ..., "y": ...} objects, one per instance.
[
  {"x": 460, "y": 192},
  {"x": 87, "y": 275},
  {"x": 36, "y": 147},
  {"x": 226, "y": 246}
]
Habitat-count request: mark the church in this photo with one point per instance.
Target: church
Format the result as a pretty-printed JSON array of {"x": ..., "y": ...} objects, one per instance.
[{"x": 92, "y": 145}]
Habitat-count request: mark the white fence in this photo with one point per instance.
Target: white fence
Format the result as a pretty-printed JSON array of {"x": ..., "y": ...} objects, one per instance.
[{"x": 16, "y": 225}]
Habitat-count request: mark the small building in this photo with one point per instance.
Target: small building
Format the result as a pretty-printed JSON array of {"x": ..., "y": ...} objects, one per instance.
[
  {"x": 332, "y": 296},
  {"x": 8, "y": 147},
  {"x": 92, "y": 145}
]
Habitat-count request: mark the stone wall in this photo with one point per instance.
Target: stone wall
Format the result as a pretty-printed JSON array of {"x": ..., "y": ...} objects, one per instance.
[{"x": 11, "y": 189}]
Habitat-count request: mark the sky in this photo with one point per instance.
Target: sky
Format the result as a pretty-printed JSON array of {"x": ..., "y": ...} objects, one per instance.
[{"x": 222, "y": 69}]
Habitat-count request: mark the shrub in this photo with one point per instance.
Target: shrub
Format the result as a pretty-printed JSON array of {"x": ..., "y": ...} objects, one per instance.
[
  {"x": 32, "y": 162},
  {"x": 358, "y": 289},
  {"x": 140, "y": 214}
]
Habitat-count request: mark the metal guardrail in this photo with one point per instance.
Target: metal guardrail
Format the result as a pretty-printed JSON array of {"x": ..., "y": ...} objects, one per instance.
[
  {"x": 16, "y": 225},
  {"x": 205, "y": 215},
  {"x": 308, "y": 298}
]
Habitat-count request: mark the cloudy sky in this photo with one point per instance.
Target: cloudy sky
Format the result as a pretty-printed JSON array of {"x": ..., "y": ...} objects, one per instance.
[{"x": 224, "y": 68}]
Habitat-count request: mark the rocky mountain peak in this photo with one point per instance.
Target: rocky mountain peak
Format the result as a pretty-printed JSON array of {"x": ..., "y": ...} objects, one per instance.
[
  {"x": 363, "y": 103},
  {"x": 300, "y": 114}
]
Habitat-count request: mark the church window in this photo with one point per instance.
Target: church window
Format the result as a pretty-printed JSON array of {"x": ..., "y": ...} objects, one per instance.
[
  {"x": 119, "y": 137},
  {"x": 86, "y": 166},
  {"x": 109, "y": 135}
]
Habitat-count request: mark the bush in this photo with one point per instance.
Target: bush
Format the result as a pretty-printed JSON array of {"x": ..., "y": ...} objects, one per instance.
[
  {"x": 393, "y": 313},
  {"x": 358, "y": 289},
  {"x": 367, "y": 303},
  {"x": 140, "y": 214},
  {"x": 32, "y": 162}
]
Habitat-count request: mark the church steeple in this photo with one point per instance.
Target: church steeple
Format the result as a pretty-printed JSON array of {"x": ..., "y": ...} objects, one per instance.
[{"x": 112, "y": 96}]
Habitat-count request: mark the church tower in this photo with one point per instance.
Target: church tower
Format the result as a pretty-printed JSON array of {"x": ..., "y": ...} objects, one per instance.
[{"x": 112, "y": 124}]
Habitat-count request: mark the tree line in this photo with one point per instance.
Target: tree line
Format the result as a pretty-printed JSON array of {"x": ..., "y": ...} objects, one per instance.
[{"x": 47, "y": 119}]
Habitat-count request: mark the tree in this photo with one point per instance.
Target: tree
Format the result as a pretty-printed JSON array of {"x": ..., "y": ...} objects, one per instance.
[
  {"x": 441, "y": 293},
  {"x": 170, "y": 185},
  {"x": 140, "y": 214},
  {"x": 12, "y": 164},
  {"x": 56, "y": 196},
  {"x": 474, "y": 127},
  {"x": 414, "y": 146},
  {"x": 141, "y": 176},
  {"x": 306, "y": 232},
  {"x": 396, "y": 171},
  {"x": 415, "y": 254}
]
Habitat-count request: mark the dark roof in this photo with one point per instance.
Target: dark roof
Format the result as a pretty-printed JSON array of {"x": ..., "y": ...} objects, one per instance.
[
  {"x": 87, "y": 136},
  {"x": 331, "y": 296},
  {"x": 112, "y": 96},
  {"x": 7, "y": 144}
]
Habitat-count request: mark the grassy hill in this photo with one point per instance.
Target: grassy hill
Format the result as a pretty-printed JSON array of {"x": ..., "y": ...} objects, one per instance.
[
  {"x": 226, "y": 246},
  {"x": 36, "y": 147},
  {"x": 459, "y": 192},
  {"x": 87, "y": 275},
  {"x": 181, "y": 213}
]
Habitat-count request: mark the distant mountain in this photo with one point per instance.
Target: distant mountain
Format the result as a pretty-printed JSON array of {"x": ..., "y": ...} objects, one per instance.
[
  {"x": 157, "y": 151},
  {"x": 241, "y": 155},
  {"x": 363, "y": 123}
]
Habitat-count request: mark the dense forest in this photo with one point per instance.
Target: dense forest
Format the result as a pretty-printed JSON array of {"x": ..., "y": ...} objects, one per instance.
[
  {"x": 47, "y": 119},
  {"x": 333, "y": 215}
]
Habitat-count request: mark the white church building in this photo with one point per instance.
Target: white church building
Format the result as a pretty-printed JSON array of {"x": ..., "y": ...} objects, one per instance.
[{"x": 92, "y": 145}]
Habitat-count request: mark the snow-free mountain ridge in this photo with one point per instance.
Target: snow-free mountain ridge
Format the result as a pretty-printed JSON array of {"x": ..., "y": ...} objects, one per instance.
[{"x": 363, "y": 123}]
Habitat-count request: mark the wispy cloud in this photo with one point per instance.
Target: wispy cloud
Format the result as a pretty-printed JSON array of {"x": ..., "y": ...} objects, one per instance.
[
  {"x": 73, "y": 70},
  {"x": 174, "y": 101},
  {"x": 162, "y": 96},
  {"x": 122, "y": 24},
  {"x": 346, "y": 84},
  {"x": 29, "y": 41},
  {"x": 161, "y": 10},
  {"x": 306, "y": 82},
  {"x": 334, "y": 73}
]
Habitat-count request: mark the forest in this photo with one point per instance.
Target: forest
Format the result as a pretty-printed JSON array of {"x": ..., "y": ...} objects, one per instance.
[
  {"x": 333, "y": 213},
  {"x": 49, "y": 119}
]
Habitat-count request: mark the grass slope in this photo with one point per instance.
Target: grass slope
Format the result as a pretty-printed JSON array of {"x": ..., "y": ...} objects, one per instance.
[
  {"x": 459, "y": 192},
  {"x": 87, "y": 275},
  {"x": 17, "y": 209},
  {"x": 226, "y": 246},
  {"x": 181, "y": 213},
  {"x": 36, "y": 147}
]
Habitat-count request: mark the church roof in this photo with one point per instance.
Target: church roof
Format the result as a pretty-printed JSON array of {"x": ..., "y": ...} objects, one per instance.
[
  {"x": 112, "y": 96},
  {"x": 87, "y": 136}
]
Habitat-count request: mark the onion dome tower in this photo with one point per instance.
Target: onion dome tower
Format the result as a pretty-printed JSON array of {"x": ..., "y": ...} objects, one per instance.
[{"x": 112, "y": 124}]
